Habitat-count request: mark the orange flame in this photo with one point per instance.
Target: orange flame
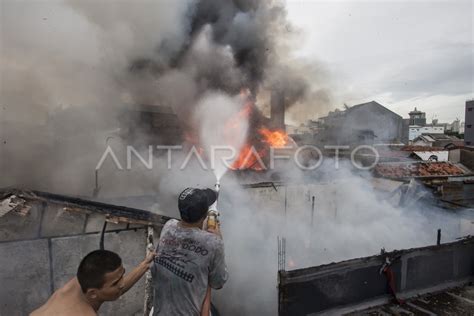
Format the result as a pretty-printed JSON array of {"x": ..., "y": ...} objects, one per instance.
[
  {"x": 249, "y": 159},
  {"x": 276, "y": 139}
]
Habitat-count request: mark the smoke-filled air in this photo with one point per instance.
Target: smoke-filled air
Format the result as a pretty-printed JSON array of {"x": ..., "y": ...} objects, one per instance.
[{"x": 78, "y": 77}]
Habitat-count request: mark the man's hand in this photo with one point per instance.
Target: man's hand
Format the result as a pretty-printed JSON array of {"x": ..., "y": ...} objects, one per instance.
[{"x": 149, "y": 257}]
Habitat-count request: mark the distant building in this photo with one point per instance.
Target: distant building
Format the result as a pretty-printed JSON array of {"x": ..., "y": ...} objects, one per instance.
[
  {"x": 455, "y": 126},
  {"x": 417, "y": 118},
  {"x": 405, "y": 131},
  {"x": 364, "y": 123},
  {"x": 469, "y": 125},
  {"x": 291, "y": 129},
  {"x": 416, "y": 130}
]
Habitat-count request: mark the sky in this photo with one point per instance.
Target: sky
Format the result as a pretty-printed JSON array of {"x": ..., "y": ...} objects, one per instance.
[{"x": 403, "y": 54}]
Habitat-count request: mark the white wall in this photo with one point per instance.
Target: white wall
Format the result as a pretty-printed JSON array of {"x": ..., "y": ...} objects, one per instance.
[{"x": 415, "y": 131}]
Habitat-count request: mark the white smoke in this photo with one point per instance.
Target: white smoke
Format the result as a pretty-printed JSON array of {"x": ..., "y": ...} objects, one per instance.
[
  {"x": 223, "y": 131},
  {"x": 351, "y": 220}
]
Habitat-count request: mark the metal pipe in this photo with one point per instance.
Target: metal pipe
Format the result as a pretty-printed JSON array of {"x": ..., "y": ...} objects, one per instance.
[
  {"x": 102, "y": 234},
  {"x": 438, "y": 241}
]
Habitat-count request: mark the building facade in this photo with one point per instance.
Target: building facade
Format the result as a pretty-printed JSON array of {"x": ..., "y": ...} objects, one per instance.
[
  {"x": 364, "y": 123},
  {"x": 416, "y": 130},
  {"x": 469, "y": 124},
  {"x": 417, "y": 117}
]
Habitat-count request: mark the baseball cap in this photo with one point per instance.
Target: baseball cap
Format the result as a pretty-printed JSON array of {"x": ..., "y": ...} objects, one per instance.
[{"x": 194, "y": 203}]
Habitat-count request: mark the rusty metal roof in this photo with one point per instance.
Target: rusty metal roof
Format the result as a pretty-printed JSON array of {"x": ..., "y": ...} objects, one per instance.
[{"x": 420, "y": 170}]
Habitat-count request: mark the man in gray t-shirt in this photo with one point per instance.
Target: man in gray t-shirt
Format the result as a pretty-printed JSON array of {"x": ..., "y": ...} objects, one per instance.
[{"x": 189, "y": 259}]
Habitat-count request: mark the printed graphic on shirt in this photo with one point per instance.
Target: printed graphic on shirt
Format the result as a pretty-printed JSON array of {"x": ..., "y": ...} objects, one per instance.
[{"x": 188, "y": 277}]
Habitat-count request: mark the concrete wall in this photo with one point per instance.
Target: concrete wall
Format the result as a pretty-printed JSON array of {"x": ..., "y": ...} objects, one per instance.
[
  {"x": 467, "y": 158},
  {"x": 312, "y": 290},
  {"x": 455, "y": 155},
  {"x": 41, "y": 251}
]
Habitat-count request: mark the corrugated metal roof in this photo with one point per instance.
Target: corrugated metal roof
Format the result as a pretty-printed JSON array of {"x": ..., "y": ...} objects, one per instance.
[
  {"x": 420, "y": 148},
  {"x": 427, "y": 138}
]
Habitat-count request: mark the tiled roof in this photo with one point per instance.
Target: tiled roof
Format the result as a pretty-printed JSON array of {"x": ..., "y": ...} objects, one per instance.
[{"x": 423, "y": 169}]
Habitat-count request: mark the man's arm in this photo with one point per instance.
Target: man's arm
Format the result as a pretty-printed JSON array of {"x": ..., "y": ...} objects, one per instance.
[
  {"x": 206, "y": 305},
  {"x": 132, "y": 277}
]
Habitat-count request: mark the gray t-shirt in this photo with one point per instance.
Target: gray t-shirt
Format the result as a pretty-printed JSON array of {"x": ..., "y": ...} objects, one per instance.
[{"x": 187, "y": 261}]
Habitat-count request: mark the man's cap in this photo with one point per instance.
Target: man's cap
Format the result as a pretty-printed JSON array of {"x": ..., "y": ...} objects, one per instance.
[{"x": 194, "y": 203}]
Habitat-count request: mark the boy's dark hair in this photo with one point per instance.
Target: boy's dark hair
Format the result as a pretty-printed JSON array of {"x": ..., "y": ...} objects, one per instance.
[{"x": 94, "y": 266}]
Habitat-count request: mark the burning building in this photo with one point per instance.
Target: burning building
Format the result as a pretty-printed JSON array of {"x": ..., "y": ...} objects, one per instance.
[{"x": 171, "y": 60}]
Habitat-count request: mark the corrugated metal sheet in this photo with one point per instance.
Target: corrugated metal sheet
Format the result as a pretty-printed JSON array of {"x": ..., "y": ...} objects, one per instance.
[{"x": 433, "y": 155}]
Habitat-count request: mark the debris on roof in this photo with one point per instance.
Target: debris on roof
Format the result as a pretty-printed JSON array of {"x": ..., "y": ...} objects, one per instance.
[
  {"x": 15, "y": 204},
  {"x": 17, "y": 200}
]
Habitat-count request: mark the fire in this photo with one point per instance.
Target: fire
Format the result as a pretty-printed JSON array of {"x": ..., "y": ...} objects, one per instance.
[
  {"x": 254, "y": 154},
  {"x": 276, "y": 139},
  {"x": 251, "y": 158},
  {"x": 236, "y": 121}
]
